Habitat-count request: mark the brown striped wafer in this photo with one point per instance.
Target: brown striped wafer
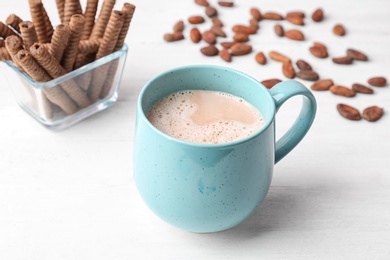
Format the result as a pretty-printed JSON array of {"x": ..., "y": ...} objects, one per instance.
[
  {"x": 13, "y": 44},
  {"x": 55, "y": 94},
  {"x": 71, "y": 7},
  {"x": 89, "y": 46},
  {"x": 89, "y": 14},
  {"x": 55, "y": 70},
  {"x": 5, "y": 31},
  {"x": 36, "y": 10},
  {"x": 104, "y": 16},
  {"x": 13, "y": 20},
  {"x": 29, "y": 35},
  {"x": 128, "y": 11},
  {"x": 106, "y": 47},
  {"x": 58, "y": 41},
  {"x": 61, "y": 8},
  {"x": 4, "y": 54},
  {"x": 76, "y": 26},
  {"x": 48, "y": 25}
]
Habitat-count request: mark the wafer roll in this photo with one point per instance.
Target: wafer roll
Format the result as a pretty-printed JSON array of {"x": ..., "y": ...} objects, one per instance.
[
  {"x": 128, "y": 11},
  {"x": 104, "y": 16},
  {"x": 29, "y": 35},
  {"x": 4, "y": 54},
  {"x": 89, "y": 14},
  {"x": 76, "y": 26},
  {"x": 55, "y": 70},
  {"x": 13, "y": 44},
  {"x": 36, "y": 10},
  {"x": 55, "y": 94},
  {"x": 106, "y": 47},
  {"x": 48, "y": 25},
  {"x": 89, "y": 46},
  {"x": 58, "y": 41},
  {"x": 5, "y": 31},
  {"x": 2, "y": 44},
  {"x": 13, "y": 20},
  {"x": 71, "y": 7},
  {"x": 61, "y": 9}
]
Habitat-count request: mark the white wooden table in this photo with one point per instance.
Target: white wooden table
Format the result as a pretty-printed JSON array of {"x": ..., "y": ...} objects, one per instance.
[{"x": 71, "y": 194}]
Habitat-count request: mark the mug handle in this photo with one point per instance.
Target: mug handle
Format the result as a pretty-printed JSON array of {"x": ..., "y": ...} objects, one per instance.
[{"x": 281, "y": 93}]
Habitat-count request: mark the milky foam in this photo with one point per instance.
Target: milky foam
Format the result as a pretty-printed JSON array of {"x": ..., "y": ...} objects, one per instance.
[{"x": 201, "y": 116}]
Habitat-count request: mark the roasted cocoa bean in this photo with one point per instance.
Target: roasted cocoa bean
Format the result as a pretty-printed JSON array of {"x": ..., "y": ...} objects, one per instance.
[
  {"x": 303, "y": 65},
  {"x": 348, "y": 112},
  {"x": 209, "y": 50},
  {"x": 359, "y": 88},
  {"x": 322, "y": 85},
  {"x": 377, "y": 81},
  {"x": 309, "y": 75},
  {"x": 295, "y": 35},
  {"x": 372, "y": 113},
  {"x": 357, "y": 55},
  {"x": 342, "y": 91},
  {"x": 269, "y": 83},
  {"x": 260, "y": 58}
]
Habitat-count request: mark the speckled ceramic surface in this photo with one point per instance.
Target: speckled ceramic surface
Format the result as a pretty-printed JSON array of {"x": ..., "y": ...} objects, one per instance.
[{"x": 212, "y": 187}]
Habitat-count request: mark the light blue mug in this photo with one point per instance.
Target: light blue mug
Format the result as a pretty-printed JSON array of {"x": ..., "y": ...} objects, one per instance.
[{"x": 212, "y": 187}]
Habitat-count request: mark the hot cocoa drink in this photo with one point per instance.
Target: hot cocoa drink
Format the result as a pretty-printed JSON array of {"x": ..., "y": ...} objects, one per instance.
[{"x": 202, "y": 116}]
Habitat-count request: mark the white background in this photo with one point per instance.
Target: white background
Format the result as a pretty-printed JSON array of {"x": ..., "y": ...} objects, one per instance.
[{"x": 71, "y": 194}]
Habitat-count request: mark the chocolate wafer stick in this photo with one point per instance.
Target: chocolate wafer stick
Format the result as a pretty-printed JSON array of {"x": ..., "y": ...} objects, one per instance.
[
  {"x": 71, "y": 7},
  {"x": 106, "y": 47},
  {"x": 104, "y": 16},
  {"x": 29, "y": 35},
  {"x": 13, "y": 44},
  {"x": 55, "y": 94},
  {"x": 61, "y": 9},
  {"x": 48, "y": 25},
  {"x": 60, "y": 37},
  {"x": 2, "y": 42},
  {"x": 4, "y": 54},
  {"x": 13, "y": 20},
  {"x": 36, "y": 10},
  {"x": 89, "y": 14},
  {"x": 5, "y": 31},
  {"x": 76, "y": 26},
  {"x": 128, "y": 11},
  {"x": 89, "y": 46},
  {"x": 55, "y": 70}
]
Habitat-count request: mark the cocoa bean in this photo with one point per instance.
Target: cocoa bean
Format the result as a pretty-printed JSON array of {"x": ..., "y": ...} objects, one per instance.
[
  {"x": 372, "y": 113},
  {"x": 342, "y": 91},
  {"x": 295, "y": 19},
  {"x": 319, "y": 50},
  {"x": 269, "y": 83},
  {"x": 339, "y": 30},
  {"x": 172, "y": 37},
  {"x": 279, "y": 30},
  {"x": 303, "y": 65},
  {"x": 277, "y": 56},
  {"x": 195, "y": 35},
  {"x": 244, "y": 29},
  {"x": 256, "y": 14},
  {"x": 309, "y": 75},
  {"x": 202, "y": 2},
  {"x": 318, "y": 15},
  {"x": 377, "y": 81},
  {"x": 239, "y": 49},
  {"x": 217, "y": 30},
  {"x": 260, "y": 58},
  {"x": 241, "y": 37},
  {"x": 178, "y": 26},
  {"x": 322, "y": 85},
  {"x": 348, "y": 112},
  {"x": 288, "y": 70},
  {"x": 296, "y": 13},
  {"x": 209, "y": 37},
  {"x": 211, "y": 11},
  {"x": 357, "y": 55},
  {"x": 226, "y": 3},
  {"x": 227, "y": 45},
  {"x": 254, "y": 23},
  {"x": 216, "y": 21},
  {"x": 272, "y": 16},
  {"x": 295, "y": 35},
  {"x": 196, "y": 19},
  {"x": 209, "y": 50},
  {"x": 345, "y": 60},
  {"x": 225, "y": 55},
  {"x": 359, "y": 88}
]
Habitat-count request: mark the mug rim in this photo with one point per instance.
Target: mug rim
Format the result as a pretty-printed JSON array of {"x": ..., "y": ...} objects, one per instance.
[{"x": 140, "y": 112}]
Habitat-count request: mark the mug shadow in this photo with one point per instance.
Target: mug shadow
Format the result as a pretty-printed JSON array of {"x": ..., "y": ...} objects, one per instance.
[{"x": 285, "y": 208}]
